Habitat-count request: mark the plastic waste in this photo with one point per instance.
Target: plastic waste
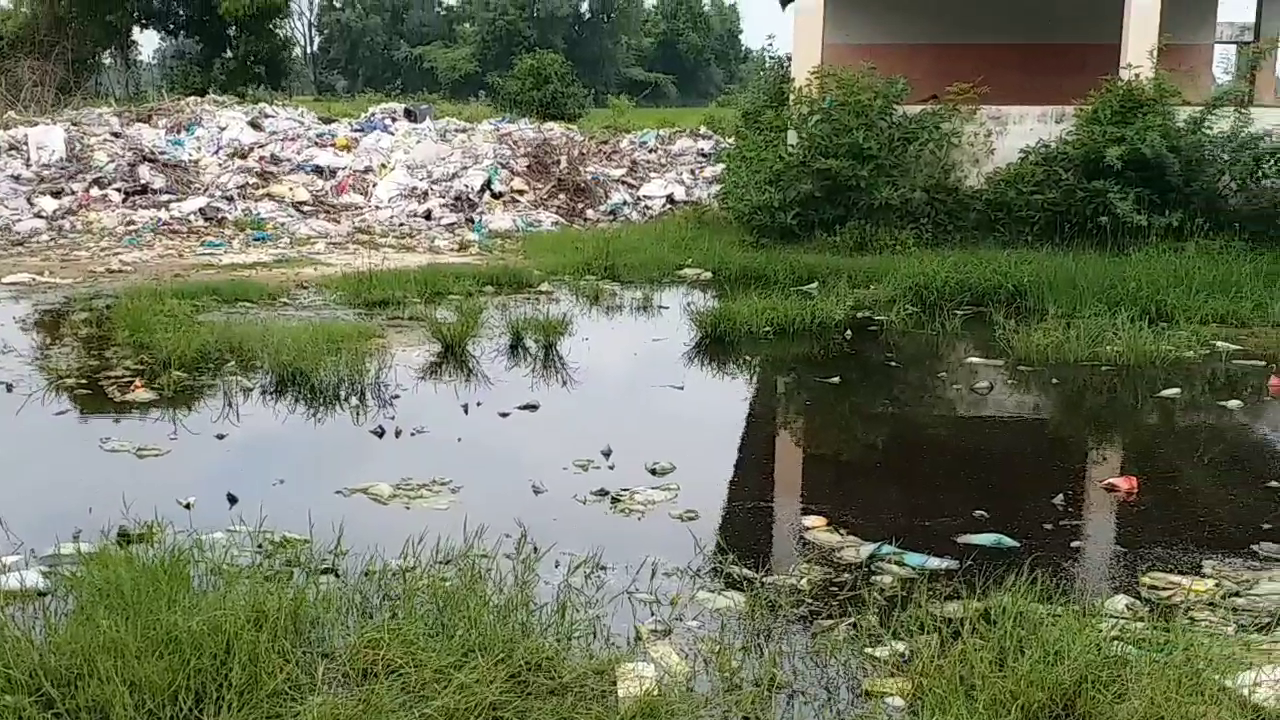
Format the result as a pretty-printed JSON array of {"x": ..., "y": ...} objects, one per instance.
[
  {"x": 988, "y": 539},
  {"x": 1126, "y": 484},
  {"x": 911, "y": 559},
  {"x": 31, "y": 581},
  {"x": 635, "y": 680}
]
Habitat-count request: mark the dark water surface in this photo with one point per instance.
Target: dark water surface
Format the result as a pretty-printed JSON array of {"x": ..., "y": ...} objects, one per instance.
[{"x": 895, "y": 450}]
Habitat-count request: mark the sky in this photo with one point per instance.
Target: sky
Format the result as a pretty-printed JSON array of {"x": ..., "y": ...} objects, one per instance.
[{"x": 762, "y": 18}]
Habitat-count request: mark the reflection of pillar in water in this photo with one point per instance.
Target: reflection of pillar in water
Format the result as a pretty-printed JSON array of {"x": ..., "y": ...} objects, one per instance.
[
  {"x": 788, "y": 476},
  {"x": 1099, "y": 537}
]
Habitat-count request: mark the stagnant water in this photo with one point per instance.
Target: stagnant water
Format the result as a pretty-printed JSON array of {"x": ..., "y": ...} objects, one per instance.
[{"x": 901, "y": 448}]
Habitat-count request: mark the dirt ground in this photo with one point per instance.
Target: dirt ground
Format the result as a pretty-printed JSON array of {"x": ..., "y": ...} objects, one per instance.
[{"x": 43, "y": 268}]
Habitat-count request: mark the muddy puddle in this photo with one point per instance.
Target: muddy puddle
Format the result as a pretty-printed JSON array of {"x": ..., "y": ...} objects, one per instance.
[{"x": 896, "y": 438}]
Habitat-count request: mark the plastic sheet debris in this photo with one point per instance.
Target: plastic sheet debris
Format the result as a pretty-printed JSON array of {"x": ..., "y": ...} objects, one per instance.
[
  {"x": 1177, "y": 589},
  {"x": 723, "y": 600},
  {"x": 68, "y": 552},
  {"x": 30, "y": 581},
  {"x": 813, "y": 522},
  {"x": 116, "y": 445},
  {"x": 988, "y": 539},
  {"x": 1170, "y": 393},
  {"x": 438, "y": 493},
  {"x": 1260, "y": 685},
  {"x": 635, "y": 680},
  {"x": 659, "y": 469},
  {"x": 1124, "y": 606},
  {"x": 640, "y": 500}
]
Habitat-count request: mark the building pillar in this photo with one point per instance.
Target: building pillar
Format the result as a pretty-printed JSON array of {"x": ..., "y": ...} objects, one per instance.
[
  {"x": 788, "y": 481},
  {"x": 1098, "y": 539},
  {"x": 1188, "y": 30},
  {"x": 1267, "y": 35},
  {"x": 1139, "y": 37},
  {"x": 808, "y": 28}
]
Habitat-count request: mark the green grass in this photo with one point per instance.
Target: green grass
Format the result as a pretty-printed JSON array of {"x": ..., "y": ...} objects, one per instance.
[
  {"x": 541, "y": 332},
  {"x": 1150, "y": 306},
  {"x": 598, "y": 120},
  {"x": 456, "y": 328},
  {"x": 173, "y": 333},
  {"x": 466, "y": 630},
  {"x": 403, "y": 289}
]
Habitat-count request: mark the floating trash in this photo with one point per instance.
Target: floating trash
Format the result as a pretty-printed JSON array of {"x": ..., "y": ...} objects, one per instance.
[
  {"x": 1124, "y": 606},
  {"x": 583, "y": 464},
  {"x": 1222, "y": 346},
  {"x": 647, "y": 598},
  {"x": 720, "y": 600},
  {"x": 1232, "y": 404},
  {"x": 25, "y": 582},
  {"x": 1250, "y": 363},
  {"x": 641, "y": 500},
  {"x": 1127, "y": 484},
  {"x": 1060, "y": 500},
  {"x": 537, "y": 487},
  {"x": 1173, "y": 392},
  {"x": 833, "y": 380},
  {"x": 689, "y": 515},
  {"x": 186, "y": 503},
  {"x": 659, "y": 469},
  {"x": 911, "y": 559},
  {"x": 116, "y": 445},
  {"x": 982, "y": 387},
  {"x": 829, "y": 537},
  {"x": 529, "y": 406},
  {"x": 438, "y": 493},
  {"x": 813, "y": 522},
  {"x": 606, "y": 452},
  {"x": 974, "y": 360},
  {"x": 988, "y": 539},
  {"x": 981, "y": 514}
]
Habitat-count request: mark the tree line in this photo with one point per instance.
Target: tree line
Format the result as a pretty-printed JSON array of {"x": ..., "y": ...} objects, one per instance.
[{"x": 661, "y": 52}]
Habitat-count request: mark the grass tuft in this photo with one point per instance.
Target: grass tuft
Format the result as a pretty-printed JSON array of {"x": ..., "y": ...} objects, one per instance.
[
  {"x": 456, "y": 328},
  {"x": 465, "y": 630},
  {"x": 396, "y": 289}
]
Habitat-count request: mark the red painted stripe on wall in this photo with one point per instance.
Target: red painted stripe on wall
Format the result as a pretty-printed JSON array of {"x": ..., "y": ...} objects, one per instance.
[{"x": 1019, "y": 74}]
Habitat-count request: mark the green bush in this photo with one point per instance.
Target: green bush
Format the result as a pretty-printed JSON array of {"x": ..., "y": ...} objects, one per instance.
[
  {"x": 842, "y": 150},
  {"x": 840, "y": 158},
  {"x": 1132, "y": 168},
  {"x": 542, "y": 86}
]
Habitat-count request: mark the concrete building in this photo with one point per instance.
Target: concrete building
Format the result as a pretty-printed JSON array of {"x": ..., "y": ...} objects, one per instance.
[{"x": 1046, "y": 53}]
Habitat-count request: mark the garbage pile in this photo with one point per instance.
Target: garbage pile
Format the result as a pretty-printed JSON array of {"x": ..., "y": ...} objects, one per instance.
[{"x": 212, "y": 175}]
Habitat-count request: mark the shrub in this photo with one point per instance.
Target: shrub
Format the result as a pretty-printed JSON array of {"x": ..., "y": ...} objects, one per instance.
[
  {"x": 1132, "y": 168},
  {"x": 542, "y": 86},
  {"x": 840, "y": 150}
]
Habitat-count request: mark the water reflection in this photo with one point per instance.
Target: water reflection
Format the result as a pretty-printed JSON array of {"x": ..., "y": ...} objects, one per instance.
[{"x": 899, "y": 449}]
